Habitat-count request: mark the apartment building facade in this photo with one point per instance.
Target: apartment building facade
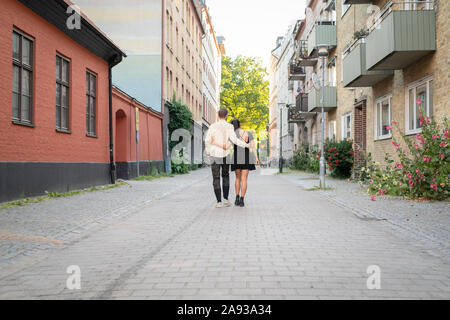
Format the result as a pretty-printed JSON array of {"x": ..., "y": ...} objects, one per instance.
[
  {"x": 393, "y": 62},
  {"x": 384, "y": 61},
  {"x": 211, "y": 72},
  {"x": 55, "y": 133},
  {"x": 308, "y": 73},
  {"x": 273, "y": 107},
  {"x": 183, "y": 63}
]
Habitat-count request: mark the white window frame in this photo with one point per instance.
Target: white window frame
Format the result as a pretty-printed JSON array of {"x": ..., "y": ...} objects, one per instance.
[
  {"x": 332, "y": 134},
  {"x": 414, "y": 86},
  {"x": 378, "y": 105},
  {"x": 344, "y": 125}
]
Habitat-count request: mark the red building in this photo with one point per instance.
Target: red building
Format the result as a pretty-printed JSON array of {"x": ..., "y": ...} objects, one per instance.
[
  {"x": 127, "y": 152},
  {"x": 57, "y": 124}
]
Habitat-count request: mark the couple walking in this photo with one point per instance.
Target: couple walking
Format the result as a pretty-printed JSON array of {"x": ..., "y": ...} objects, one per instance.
[{"x": 220, "y": 137}]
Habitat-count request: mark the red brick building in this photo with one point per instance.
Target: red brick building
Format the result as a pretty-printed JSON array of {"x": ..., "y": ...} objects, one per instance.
[{"x": 57, "y": 124}]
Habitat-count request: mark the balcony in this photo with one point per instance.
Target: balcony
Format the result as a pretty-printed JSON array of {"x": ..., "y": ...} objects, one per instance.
[
  {"x": 296, "y": 72},
  {"x": 403, "y": 33},
  {"x": 301, "y": 57},
  {"x": 315, "y": 98},
  {"x": 323, "y": 34},
  {"x": 300, "y": 112},
  {"x": 357, "y": 1},
  {"x": 355, "y": 69}
]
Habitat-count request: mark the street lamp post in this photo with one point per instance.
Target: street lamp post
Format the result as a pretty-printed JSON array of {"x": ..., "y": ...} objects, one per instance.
[
  {"x": 323, "y": 52},
  {"x": 281, "y": 134},
  {"x": 280, "y": 162}
]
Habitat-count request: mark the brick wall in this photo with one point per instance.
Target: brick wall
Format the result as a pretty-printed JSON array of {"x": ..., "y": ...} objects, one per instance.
[
  {"x": 150, "y": 130},
  {"x": 42, "y": 143}
]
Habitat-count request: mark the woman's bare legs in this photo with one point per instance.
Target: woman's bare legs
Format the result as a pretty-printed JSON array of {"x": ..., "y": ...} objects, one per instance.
[
  {"x": 237, "y": 184},
  {"x": 244, "y": 176}
]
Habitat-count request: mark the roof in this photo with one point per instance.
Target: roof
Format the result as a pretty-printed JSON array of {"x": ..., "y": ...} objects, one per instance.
[{"x": 89, "y": 36}]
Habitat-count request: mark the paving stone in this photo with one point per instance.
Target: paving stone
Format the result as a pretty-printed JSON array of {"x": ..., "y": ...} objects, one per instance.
[{"x": 160, "y": 240}]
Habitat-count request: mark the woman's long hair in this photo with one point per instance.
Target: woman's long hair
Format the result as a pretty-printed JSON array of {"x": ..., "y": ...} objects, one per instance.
[{"x": 236, "y": 124}]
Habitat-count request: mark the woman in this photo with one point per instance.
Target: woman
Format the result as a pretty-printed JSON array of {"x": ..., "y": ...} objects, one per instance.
[{"x": 244, "y": 161}]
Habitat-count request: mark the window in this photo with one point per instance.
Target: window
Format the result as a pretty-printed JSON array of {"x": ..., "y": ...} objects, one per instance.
[
  {"x": 332, "y": 130},
  {"x": 419, "y": 97},
  {"x": 91, "y": 94},
  {"x": 167, "y": 28},
  {"x": 167, "y": 83},
  {"x": 22, "y": 89},
  {"x": 347, "y": 126},
  {"x": 344, "y": 8},
  {"x": 62, "y": 93},
  {"x": 383, "y": 117}
]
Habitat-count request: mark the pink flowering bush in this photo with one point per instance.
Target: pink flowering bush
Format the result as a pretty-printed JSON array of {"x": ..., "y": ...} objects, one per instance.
[{"x": 423, "y": 169}]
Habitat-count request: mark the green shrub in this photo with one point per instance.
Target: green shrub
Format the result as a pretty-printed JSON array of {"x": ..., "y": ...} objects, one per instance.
[
  {"x": 180, "y": 118},
  {"x": 305, "y": 159},
  {"x": 181, "y": 168},
  {"x": 300, "y": 160},
  {"x": 339, "y": 157}
]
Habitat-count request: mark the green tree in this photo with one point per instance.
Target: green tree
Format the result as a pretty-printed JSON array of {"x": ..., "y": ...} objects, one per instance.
[
  {"x": 245, "y": 91},
  {"x": 180, "y": 118}
]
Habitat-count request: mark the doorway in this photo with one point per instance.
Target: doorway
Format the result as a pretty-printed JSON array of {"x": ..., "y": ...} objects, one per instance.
[
  {"x": 360, "y": 143},
  {"x": 120, "y": 150}
]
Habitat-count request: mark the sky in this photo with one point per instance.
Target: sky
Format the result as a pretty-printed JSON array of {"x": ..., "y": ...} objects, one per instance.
[{"x": 251, "y": 27}]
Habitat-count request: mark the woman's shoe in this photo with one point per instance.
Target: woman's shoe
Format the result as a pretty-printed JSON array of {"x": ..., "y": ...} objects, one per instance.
[
  {"x": 236, "y": 203},
  {"x": 241, "y": 202}
]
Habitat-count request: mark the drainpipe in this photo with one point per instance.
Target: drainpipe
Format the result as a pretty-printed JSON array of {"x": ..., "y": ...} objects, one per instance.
[{"x": 112, "y": 165}]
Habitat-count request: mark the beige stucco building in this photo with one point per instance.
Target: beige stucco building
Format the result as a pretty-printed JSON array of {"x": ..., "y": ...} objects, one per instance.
[{"x": 182, "y": 62}]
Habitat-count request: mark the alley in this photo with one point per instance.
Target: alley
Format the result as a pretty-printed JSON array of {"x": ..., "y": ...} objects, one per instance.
[{"x": 287, "y": 243}]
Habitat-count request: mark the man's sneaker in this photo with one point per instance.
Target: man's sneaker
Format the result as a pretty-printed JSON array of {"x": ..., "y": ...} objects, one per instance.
[
  {"x": 227, "y": 203},
  {"x": 219, "y": 205},
  {"x": 236, "y": 203}
]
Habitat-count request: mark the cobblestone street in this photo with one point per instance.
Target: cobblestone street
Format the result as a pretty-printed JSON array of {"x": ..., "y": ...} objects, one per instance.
[{"x": 163, "y": 239}]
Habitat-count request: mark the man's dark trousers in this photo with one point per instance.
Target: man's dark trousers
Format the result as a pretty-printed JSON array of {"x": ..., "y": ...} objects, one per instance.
[{"x": 217, "y": 165}]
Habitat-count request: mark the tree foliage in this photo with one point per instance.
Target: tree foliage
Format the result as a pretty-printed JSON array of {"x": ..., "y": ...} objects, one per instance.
[
  {"x": 245, "y": 91},
  {"x": 180, "y": 118}
]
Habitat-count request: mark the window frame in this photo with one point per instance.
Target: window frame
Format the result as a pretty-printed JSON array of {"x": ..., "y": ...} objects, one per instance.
[
  {"x": 344, "y": 125},
  {"x": 90, "y": 133},
  {"x": 29, "y": 68},
  {"x": 67, "y": 85},
  {"x": 426, "y": 80},
  {"x": 344, "y": 8},
  {"x": 377, "y": 126},
  {"x": 332, "y": 130}
]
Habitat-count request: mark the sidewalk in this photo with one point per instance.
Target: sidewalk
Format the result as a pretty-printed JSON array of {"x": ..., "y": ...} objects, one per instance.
[
  {"x": 169, "y": 242},
  {"x": 27, "y": 230},
  {"x": 423, "y": 221}
]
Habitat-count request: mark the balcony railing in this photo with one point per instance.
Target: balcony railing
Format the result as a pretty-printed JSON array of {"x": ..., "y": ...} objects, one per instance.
[
  {"x": 315, "y": 99},
  {"x": 296, "y": 72},
  {"x": 301, "y": 56},
  {"x": 355, "y": 73},
  {"x": 357, "y": 1},
  {"x": 401, "y": 33},
  {"x": 324, "y": 34},
  {"x": 416, "y": 5},
  {"x": 300, "y": 113}
]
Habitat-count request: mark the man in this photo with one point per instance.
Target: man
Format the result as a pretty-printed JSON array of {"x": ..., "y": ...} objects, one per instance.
[{"x": 218, "y": 134}]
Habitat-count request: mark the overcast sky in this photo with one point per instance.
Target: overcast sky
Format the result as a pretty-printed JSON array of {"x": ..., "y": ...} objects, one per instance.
[{"x": 251, "y": 27}]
